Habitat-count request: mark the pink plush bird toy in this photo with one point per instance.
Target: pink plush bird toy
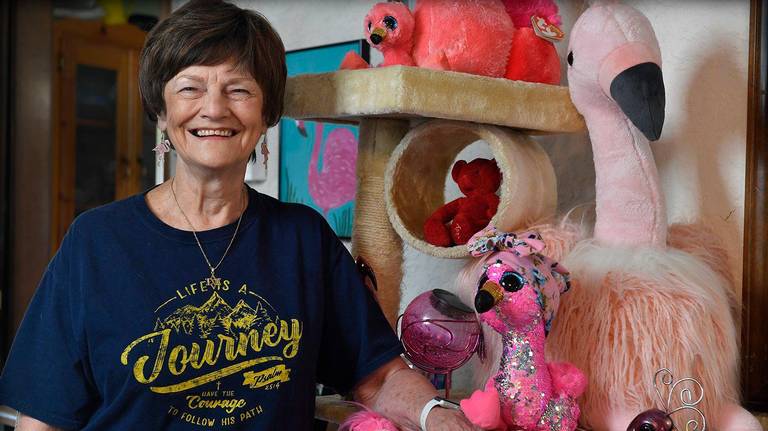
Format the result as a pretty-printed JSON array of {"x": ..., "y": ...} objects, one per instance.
[
  {"x": 470, "y": 36},
  {"x": 649, "y": 297},
  {"x": 389, "y": 27},
  {"x": 518, "y": 292}
]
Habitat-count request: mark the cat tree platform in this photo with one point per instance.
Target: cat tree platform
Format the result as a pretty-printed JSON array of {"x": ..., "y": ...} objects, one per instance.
[
  {"x": 402, "y": 92},
  {"x": 387, "y": 103}
]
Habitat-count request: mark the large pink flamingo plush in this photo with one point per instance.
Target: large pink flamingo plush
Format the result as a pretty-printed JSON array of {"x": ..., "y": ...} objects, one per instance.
[
  {"x": 471, "y": 36},
  {"x": 517, "y": 294},
  {"x": 649, "y": 297},
  {"x": 334, "y": 184}
]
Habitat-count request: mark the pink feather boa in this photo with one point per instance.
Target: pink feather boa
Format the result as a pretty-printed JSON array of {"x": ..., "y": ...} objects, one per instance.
[{"x": 367, "y": 420}]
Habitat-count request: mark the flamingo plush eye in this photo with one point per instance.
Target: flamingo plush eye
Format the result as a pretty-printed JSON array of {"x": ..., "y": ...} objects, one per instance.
[
  {"x": 570, "y": 58},
  {"x": 369, "y": 26},
  {"x": 512, "y": 281},
  {"x": 390, "y": 22}
]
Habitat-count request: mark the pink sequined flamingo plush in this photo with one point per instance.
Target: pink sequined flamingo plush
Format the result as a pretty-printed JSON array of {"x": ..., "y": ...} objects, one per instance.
[{"x": 517, "y": 295}]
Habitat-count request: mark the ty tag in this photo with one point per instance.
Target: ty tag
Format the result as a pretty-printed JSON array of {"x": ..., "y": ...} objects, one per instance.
[{"x": 545, "y": 30}]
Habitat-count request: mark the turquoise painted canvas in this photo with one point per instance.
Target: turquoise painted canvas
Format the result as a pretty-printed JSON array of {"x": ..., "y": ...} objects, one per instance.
[{"x": 317, "y": 160}]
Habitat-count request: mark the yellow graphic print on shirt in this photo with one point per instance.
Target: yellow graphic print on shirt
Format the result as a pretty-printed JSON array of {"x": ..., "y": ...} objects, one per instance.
[{"x": 248, "y": 343}]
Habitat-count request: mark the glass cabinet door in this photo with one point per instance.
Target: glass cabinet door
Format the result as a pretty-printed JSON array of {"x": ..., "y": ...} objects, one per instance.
[
  {"x": 102, "y": 140},
  {"x": 95, "y": 137}
]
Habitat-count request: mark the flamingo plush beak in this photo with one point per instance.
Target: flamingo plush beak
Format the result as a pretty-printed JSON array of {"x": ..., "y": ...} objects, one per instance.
[
  {"x": 378, "y": 35},
  {"x": 488, "y": 296},
  {"x": 631, "y": 75},
  {"x": 639, "y": 92}
]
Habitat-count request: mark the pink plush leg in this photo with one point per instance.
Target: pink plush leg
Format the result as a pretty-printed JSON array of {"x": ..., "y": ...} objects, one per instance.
[
  {"x": 733, "y": 417},
  {"x": 437, "y": 61},
  {"x": 483, "y": 407},
  {"x": 567, "y": 379}
]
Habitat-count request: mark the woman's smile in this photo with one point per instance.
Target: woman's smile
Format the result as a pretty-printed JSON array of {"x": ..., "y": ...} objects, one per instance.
[
  {"x": 212, "y": 133},
  {"x": 222, "y": 133}
]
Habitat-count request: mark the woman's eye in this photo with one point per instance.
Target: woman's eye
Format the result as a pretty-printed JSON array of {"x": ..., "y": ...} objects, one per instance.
[
  {"x": 241, "y": 91},
  {"x": 189, "y": 92}
]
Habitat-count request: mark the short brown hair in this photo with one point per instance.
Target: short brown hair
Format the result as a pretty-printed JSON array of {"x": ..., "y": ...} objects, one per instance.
[{"x": 211, "y": 32}]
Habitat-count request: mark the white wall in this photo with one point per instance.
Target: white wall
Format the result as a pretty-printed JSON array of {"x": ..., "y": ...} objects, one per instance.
[
  {"x": 701, "y": 156},
  {"x": 307, "y": 23},
  {"x": 702, "y": 153}
]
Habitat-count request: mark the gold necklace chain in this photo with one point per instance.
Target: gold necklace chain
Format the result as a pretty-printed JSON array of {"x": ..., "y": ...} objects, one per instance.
[{"x": 213, "y": 279}]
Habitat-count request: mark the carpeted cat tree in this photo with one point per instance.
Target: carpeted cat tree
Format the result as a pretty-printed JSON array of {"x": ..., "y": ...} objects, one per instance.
[{"x": 407, "y": 166}]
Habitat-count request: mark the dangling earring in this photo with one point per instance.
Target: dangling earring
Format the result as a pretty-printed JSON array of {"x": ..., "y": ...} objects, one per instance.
[
  {"x": 162, "y": 147},
  {"x": 265, "y": 152}
]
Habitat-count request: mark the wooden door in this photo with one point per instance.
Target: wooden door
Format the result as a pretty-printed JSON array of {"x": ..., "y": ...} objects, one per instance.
[{"x": 101, "y": 140}]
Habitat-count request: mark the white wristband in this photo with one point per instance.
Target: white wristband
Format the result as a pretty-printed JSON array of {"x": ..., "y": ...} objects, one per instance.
[
  {"x": 425, "y": 412},
  {"x": 434, "y": 402}
]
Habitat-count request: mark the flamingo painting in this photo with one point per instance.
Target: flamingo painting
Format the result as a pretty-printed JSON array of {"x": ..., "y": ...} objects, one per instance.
[
  {"x": 332, "y": 184},
  {"x": 318, "y": 161}
]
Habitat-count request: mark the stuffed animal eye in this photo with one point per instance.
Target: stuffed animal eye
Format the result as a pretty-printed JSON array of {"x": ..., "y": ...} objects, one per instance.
[
  {"x": 390, "y": 22},
  {"x": 369, "y": 26},
  {"x": 512, "y": 281},
  {"x": 570, "y": 58}
]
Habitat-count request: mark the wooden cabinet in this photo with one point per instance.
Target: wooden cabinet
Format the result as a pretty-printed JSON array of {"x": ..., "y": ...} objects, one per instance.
[{"x": 102, "y": 141}]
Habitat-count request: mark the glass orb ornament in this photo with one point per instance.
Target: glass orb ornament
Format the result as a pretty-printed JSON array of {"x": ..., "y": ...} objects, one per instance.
[{"x": 439, "y": 333}]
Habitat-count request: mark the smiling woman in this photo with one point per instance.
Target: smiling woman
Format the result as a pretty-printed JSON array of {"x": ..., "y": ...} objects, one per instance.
[{"x": 272, "y": 301}]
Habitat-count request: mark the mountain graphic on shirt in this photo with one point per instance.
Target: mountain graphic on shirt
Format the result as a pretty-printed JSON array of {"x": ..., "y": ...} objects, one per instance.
[
  {"x": 244, "y": 317},
  {"x": 215, "y": 316}
]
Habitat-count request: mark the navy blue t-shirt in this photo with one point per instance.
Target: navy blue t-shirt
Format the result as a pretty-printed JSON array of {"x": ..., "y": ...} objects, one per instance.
[{"x": 125, "y": 332}]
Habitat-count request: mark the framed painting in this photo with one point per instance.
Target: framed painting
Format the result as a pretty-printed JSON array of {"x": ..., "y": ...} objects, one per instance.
[{"x": 317, "y": 160}]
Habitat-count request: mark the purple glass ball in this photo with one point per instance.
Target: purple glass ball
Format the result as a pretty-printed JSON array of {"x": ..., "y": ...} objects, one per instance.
[
  {"x": 651, "y": 420},
  {"x": 439, "y": 333}
]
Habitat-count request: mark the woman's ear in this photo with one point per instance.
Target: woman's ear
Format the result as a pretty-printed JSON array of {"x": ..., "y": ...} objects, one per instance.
[{"x": 162, "y": 123}]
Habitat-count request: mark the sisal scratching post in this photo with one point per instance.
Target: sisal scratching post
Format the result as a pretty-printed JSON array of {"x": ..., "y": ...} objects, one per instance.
[
  {"x": 418, "y": 168},
  {"x": 372, "y": 236}
]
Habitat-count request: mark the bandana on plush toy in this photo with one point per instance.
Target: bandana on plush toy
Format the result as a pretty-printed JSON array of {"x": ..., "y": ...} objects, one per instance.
[
  {"x": 490, "y": 239},
  {"x": 549, "y": 278}
]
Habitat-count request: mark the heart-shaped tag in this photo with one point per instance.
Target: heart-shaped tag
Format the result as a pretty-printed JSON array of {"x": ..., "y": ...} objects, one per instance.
[{"x": 546, "y": 30}]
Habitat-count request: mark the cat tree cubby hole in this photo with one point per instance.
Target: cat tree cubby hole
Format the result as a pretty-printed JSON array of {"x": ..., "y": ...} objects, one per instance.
[{"x": 416, "y": 173}]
